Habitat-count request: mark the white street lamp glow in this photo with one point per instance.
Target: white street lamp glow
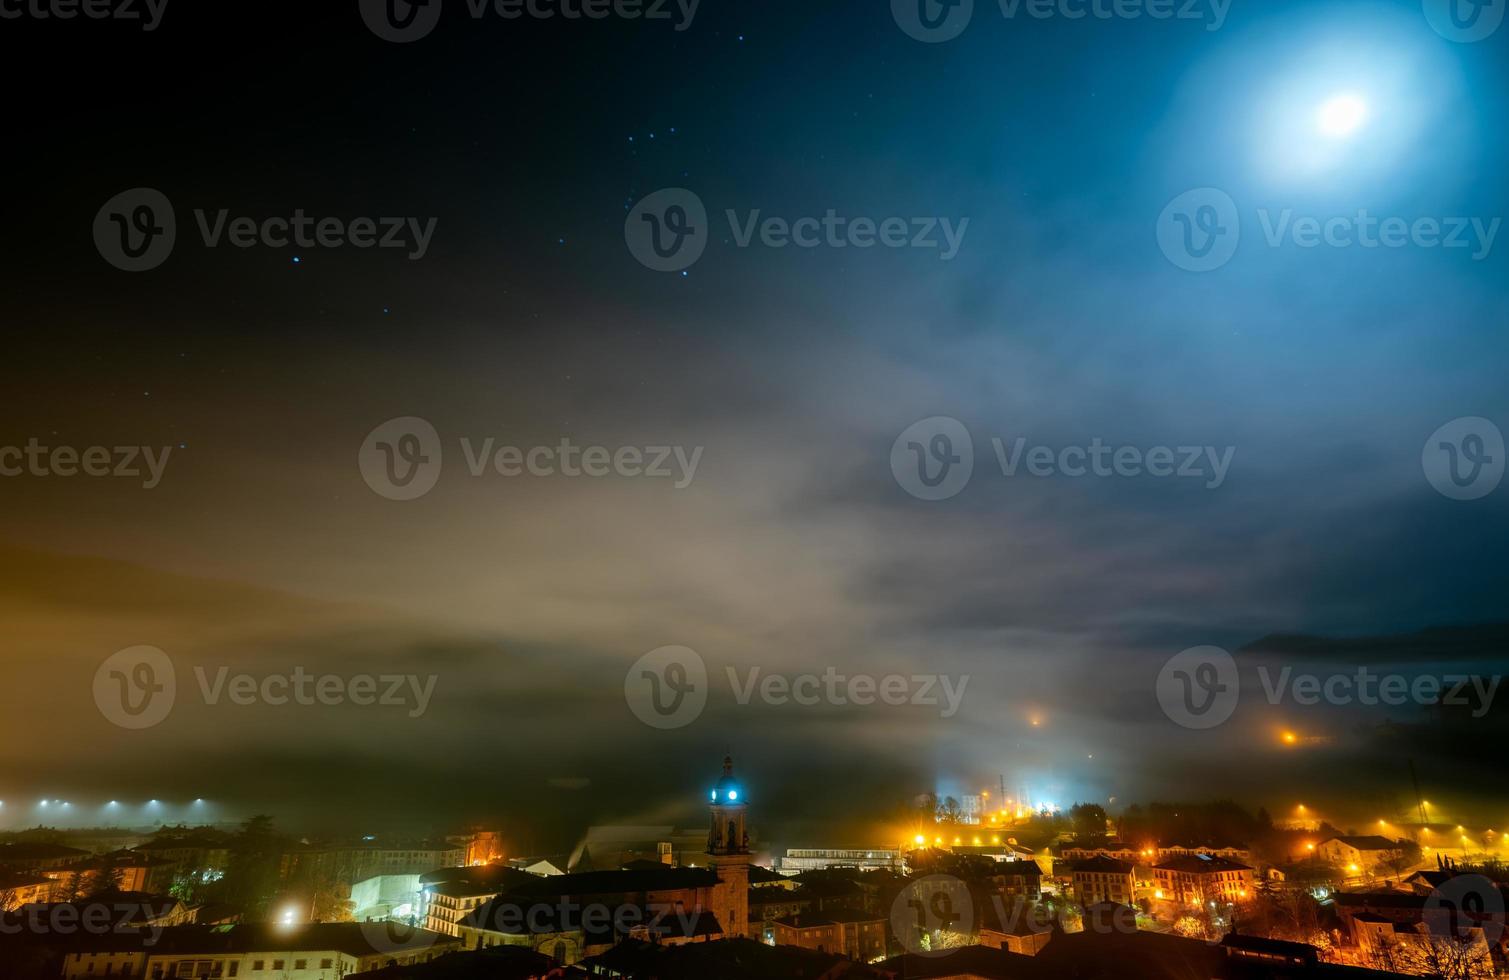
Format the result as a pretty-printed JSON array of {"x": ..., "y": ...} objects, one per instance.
[{"x": 1341, "y": 116}]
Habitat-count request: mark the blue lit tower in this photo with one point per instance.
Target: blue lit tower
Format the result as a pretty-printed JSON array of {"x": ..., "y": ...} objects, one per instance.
[{"x": 728, "y": 850}]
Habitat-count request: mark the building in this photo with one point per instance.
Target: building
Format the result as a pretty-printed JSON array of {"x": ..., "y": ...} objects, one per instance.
[
  {"x": 126, "y": 871},
  {"x": 18, "y": 888},
  {"x": 388, "y": 897},
  {"x": 800, "y": 859},
  {"x": 1152, "y": 853},
  {"x": 856, "y": 935},
  {"x": 370, "y": 857},
  {"x": 1231, "y": 852},
  {"x": 1359, "y": 855},
  {"x": 131, "y": 910},
  {"x": 741, "y": 958},
  {"x": 497, "y": 963},
  {"x": 573, "y": 916},
  {"x": 1114, "y": 850},
  {"x": 451, "y": 894},
  {"x": 1201, "y": 879},
  {"x": 1018, "y": 926},
  {"x": 326, "y": 951},
  {"x": 768, "y": 904},
  {"x": 1018, "y": 879},
  {"x": 37, "y": 855},
  {"x": 728, "y": 851},
  {"x": 103, "y": 841},
  {"x": 1103, "y": 879},
  {"x": 202, "y": 853},
  {"x": 483, "y": 847},
  {"x": 995, "y": 848},
  {"x": 605, "y": 848},
  {"x": 1414, "y": 949}
]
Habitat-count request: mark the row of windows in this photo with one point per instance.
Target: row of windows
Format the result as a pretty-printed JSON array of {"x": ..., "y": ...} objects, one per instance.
[{"x": 221, "y": 969}]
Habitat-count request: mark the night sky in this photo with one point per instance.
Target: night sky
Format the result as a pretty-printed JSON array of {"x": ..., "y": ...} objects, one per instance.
[{"x": 529, "y": 320}]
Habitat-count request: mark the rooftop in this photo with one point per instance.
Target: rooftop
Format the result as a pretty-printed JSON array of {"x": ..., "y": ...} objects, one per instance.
[
  {"x": 1369, "y": 842},
  {"x": 1200, "y": 864}
]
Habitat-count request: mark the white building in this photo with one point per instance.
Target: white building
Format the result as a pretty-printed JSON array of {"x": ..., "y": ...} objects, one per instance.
[{"x": 800, "y": 859}]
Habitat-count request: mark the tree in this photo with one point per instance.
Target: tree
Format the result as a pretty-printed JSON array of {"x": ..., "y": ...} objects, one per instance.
[
  {"x": 1089, "y": 822},
  {"x": 251, "y": 878},
  {"x": 71, "y": 889},
  {"x": 107, "y": 880},
  {"x": 1404, "y": 857},
  {"x": 1441, "y": 956},
  {"x": 331, "y": 900}
]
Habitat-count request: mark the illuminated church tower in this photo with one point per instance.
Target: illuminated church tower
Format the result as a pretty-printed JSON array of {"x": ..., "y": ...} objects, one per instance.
[{"x": 728, "y": 851}]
